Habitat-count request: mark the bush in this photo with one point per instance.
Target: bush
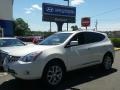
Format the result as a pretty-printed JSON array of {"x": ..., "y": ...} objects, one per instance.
[{"x": 116, "y": 42}]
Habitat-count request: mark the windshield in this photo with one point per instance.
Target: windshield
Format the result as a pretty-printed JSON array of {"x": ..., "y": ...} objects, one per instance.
[
  {"x": 10, "y": 42},
  {"x": 55, "y": 39}
]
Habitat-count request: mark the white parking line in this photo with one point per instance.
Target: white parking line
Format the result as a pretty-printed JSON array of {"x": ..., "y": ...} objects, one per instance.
[{"x": 3, "y": 74}]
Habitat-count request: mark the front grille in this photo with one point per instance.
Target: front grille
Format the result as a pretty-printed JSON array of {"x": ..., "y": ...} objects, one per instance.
[{"x": 12, "y": 59}]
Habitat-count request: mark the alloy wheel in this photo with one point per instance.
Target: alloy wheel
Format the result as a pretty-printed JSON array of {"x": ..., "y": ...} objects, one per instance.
[
  {"x": 54, "y": 74},
  {"x": 107, "y": 62}
]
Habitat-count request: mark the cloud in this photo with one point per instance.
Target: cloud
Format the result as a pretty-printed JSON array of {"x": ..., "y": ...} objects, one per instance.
[
  {"x": 28, "y": 12},
  {"x": 33, "y": 8},
  {"x": 36, "y": 6},
  {"x": 77, "y": 2}
]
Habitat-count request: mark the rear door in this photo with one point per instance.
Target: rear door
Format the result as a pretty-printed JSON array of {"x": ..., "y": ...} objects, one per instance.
[{"x": 95, "y": 44}]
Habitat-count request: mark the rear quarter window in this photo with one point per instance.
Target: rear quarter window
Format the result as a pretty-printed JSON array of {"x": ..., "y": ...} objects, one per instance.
[{"x": 91, "y": 37}]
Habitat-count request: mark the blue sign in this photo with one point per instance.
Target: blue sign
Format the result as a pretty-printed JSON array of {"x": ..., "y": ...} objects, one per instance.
[{"x": 53, "y": 12}]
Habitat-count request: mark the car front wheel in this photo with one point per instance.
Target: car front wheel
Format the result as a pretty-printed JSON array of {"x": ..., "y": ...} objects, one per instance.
[{"x": 53, "y": 74}]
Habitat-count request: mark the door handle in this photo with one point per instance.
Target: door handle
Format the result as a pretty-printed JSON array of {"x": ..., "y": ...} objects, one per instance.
[
  {"x": 104, "y": 46},
  {"x": 88, "y": 48}
]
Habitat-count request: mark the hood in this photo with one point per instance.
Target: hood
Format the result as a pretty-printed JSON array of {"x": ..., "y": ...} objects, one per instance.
[{"x": 24, "y": 50}]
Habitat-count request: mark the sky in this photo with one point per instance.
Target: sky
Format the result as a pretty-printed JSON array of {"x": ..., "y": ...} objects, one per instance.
[{"x": 105, "y": 12}]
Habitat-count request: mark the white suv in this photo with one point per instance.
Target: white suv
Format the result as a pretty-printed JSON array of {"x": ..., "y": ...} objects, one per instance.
[{"x": 60, "y": 53}]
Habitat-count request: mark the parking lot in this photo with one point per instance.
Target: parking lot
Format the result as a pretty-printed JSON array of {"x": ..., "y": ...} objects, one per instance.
[{"x": 91, "y": 78}]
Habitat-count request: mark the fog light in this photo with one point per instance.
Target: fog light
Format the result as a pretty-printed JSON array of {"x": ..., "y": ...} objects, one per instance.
[{"x": 27, "y": 73}]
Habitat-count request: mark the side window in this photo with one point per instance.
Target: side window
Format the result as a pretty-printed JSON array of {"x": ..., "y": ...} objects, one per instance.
[
  {"x": 79, "y": 37},
  {"x": 91, "y": 37},
  {"x": 75, "y": 38}
]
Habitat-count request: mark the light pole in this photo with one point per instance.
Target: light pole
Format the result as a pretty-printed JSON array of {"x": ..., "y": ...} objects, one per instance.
[
  {"x": 1, "y": 32},
  {"x": 50, "y": 27},
  {"x": 68, "y": 5}
]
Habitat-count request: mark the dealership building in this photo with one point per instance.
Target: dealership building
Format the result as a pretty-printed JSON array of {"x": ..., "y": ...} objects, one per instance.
[{"x": 6, "y": 17}]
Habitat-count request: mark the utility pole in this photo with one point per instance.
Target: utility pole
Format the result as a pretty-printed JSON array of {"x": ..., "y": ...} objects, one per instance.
[{"x": 96, "y": 25}]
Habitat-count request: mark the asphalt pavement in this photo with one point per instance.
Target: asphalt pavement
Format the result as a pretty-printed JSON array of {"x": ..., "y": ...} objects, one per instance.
[{"x": 91, "y": 78}]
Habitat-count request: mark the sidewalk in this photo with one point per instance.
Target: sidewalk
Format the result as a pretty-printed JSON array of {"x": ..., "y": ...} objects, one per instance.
[{"x": 116, "y": 49}]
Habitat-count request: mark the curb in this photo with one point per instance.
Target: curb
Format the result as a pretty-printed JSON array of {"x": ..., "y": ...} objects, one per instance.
[{"x": 3, "y": 74}]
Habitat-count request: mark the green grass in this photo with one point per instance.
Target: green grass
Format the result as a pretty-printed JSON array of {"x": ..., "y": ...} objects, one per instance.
[{"x": 116, "y": 42}]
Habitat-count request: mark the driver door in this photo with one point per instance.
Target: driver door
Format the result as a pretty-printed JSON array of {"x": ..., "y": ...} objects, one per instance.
[{"x": 77, "y": 55}]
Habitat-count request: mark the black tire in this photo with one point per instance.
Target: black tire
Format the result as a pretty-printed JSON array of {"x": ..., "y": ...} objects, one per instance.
[
  {"x": 53, "y": 74},
  {"x": 18, "y": 80},
  {"x": 21, "y": 81},
  {"x": 107, "y": 62}
]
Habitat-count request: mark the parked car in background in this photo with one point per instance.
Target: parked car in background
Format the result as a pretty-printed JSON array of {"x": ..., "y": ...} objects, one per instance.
[
  {"x": 6, "y": 44},
  {"x": 58, "y": 54},
  {"x": 31, "y": 39}
]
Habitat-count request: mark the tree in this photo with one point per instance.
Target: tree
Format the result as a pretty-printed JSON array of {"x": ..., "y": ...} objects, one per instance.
[
  {"x": 20, "y": 27},
  {"x": 74, "y": 28}
]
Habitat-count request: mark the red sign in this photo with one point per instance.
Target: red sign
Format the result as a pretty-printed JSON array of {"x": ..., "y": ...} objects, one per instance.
[{"x": 85, "y": 22}]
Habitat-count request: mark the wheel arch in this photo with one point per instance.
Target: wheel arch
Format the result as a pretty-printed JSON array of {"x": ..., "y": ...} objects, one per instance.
[{"x": 57, "y": 60}]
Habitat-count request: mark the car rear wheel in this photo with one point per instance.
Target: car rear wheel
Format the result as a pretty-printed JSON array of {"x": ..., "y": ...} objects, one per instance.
[{"x": 107, "y": 62}]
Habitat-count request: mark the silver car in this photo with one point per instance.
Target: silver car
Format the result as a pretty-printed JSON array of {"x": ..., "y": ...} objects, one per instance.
[
  {"x": 58, "y": 54},
  {"x": 5, "y": 44}
]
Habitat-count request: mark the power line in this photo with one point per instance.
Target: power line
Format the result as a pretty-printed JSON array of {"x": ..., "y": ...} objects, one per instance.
[{"x": 106, "y": 12}]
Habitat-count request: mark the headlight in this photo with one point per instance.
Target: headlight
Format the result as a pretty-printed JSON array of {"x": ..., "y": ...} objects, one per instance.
[{"x": 30, "y": 57}]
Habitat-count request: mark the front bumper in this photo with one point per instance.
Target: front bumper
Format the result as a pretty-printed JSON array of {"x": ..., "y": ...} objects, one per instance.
[{"x": 22, "y": 70}]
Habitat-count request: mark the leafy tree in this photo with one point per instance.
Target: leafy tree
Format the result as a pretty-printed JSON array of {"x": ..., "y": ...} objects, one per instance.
[
  {"x": 74, "y": 28},
  {"x": 20, "y": 27}
]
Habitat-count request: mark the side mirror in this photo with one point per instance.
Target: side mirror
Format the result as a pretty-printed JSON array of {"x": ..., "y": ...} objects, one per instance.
[{"x": 73, "y": 43}]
